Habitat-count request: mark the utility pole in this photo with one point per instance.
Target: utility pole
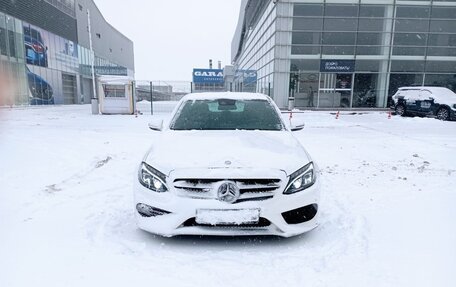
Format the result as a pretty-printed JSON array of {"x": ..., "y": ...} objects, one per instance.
[
  {"x": 151, "y": 98},
  {"x": 95, "y": 107}
]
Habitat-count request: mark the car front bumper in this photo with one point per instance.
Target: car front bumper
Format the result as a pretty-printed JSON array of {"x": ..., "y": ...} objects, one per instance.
[
  {"x": 452, "y": 114},
  {"x": 180, "y": 219}
]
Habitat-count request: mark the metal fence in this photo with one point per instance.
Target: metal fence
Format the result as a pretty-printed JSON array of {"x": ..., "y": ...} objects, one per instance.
[{"x": 160, "y": 96}]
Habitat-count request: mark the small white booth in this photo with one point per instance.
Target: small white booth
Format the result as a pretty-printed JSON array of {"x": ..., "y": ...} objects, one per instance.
[{"x": 117, "y": 95}]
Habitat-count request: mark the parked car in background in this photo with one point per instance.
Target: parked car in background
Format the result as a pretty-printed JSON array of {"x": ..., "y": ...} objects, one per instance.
[
  {"x": 437, "y": 102},
  {"x": 35, "y": 49},
  {"x": 41, "y": 92},
  {"x": 227, "y": 164}
]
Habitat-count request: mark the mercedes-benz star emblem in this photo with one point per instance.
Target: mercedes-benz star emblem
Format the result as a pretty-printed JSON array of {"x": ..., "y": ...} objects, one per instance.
[{"x": 228, "y": 192}]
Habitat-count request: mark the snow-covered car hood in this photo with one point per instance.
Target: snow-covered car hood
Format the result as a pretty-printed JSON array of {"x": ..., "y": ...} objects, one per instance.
[{"x": 175, "y": 150}]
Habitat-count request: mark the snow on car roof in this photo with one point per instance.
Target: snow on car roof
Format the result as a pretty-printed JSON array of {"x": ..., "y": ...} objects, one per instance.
[
  {"x": 226, "y": 95},
  {"x": 440, "y": 94},
  {"x": 440, "y": 90}
]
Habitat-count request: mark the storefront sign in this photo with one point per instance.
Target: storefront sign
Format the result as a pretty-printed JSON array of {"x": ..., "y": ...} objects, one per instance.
[
  {"x": 208, "y": 76},
  {"x": 103, "y": 70},
  {"x": 337, "y": 66}
]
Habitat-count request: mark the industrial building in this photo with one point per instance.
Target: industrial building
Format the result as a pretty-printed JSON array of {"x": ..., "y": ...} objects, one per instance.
[
  {"x": 45, "y": 55},
  {"x": 345, "y": 53}
]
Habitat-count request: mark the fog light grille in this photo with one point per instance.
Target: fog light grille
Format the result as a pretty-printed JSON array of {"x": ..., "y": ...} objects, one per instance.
[
  {"x": 300, "y": 215},
  {"x": 148, "y": 211}
]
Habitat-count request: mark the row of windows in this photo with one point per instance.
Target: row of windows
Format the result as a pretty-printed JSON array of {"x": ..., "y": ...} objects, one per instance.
[
  {"x": 258, "y": 51},
  {"x": 346, "y": 43},
  {"x": 372, "y": 50},
  {"x": 381, "y": 66},
  {"x": 85, "y": 62},
  {"x": 259, "y": 42},
  {"x": 368, "y": 90},
  {"x": 262, "y": 29},
  {"x": 373, "y": 11},
  {"x": 374, "y": 39},
  {"x": 368, "y": 25},
  {"x": 66, "y": 6}
]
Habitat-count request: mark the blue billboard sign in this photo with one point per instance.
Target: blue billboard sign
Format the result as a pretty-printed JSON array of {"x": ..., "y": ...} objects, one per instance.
[
  {"x": 208, "y": 76},
  {"x": 248, "y": 76}
]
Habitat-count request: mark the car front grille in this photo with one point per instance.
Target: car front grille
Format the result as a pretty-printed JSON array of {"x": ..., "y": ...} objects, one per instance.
[
  {"x": 250, "y": 189},
  {"x": 262, "y": 223}
]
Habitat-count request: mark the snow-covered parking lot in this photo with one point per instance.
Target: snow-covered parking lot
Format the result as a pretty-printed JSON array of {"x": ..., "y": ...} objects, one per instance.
[{"x": 66, "y": 215}]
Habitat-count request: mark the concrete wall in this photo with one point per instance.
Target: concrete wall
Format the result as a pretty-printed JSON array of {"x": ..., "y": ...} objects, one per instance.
[{"x": 110, "y": 44}]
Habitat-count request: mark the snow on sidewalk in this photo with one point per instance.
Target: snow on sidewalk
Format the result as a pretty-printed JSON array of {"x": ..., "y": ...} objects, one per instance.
[{"x": 66, "y": 212}]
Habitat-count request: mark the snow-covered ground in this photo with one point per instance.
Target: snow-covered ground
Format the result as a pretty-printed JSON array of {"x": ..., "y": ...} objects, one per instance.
[{"x": 66, "y": 215}]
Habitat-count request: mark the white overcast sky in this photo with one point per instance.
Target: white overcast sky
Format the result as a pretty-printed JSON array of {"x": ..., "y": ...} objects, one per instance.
[{"x": 172, "y": 37}]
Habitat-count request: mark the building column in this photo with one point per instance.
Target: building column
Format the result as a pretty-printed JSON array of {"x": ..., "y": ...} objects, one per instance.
[
  {"x": 282, "y": 52},
  {"x": 383, "y": 76}
]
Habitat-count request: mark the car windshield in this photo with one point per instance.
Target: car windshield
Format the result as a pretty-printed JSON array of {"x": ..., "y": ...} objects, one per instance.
[{"x": 227, "y": 114}]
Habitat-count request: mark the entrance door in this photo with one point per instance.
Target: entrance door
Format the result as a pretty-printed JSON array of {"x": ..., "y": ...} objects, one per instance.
[
  {"x": 335, "y": 90},
  {"x": 69, "y": 89}
]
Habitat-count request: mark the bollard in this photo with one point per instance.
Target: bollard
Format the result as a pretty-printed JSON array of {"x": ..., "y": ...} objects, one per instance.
[
  {"x": 95, "y": 107},
  {"x": 291, "y": 103}
]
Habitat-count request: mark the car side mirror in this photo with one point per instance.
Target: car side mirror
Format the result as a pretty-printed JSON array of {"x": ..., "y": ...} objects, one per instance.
[
  {"x": 297, "y": 125},
  {"x": 156, "y": 125}
]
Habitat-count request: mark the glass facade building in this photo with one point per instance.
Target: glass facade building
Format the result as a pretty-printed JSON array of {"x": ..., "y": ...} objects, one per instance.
[
  {"x": 346, "y": 53},
  {"x": 41, "y": 66}
]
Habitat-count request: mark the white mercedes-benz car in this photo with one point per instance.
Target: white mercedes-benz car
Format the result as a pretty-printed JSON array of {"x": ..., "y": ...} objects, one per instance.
[{"x": 227, "y": 164}]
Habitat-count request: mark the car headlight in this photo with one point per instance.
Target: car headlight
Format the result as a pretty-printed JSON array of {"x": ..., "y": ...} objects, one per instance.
[
  {"x": 151, "y": 178},
  {"x": 301, "y": 179}
]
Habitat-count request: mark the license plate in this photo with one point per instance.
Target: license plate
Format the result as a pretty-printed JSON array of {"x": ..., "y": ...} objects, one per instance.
[{"x": 227, "y": 217}]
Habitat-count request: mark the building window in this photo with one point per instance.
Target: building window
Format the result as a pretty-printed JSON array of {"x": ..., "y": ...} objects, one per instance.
[
  {"x": 340, "y": 24},
  {"x": 335, "y": 38},
  {"x": 307, "y": 24},
  {"x": 372, "y": 11},
  {"x": 305, "y": 49},
  {"x": 335, "y": 10},
  {"x": 114, "y": 91},
  {"x": 371, "y": 25},
  {"x": 407, "y": 66},
  {"x": 403, "y": 80},
  {"x": 308, "y": 10},
  {"x": 308, "y": 38},
  {"x": 366, "y": 90},
  {"x": 412, "y": 11}
]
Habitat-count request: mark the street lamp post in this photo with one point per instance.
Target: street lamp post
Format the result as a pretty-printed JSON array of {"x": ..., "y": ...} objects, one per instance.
[{"x": 94, "y": 100}]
